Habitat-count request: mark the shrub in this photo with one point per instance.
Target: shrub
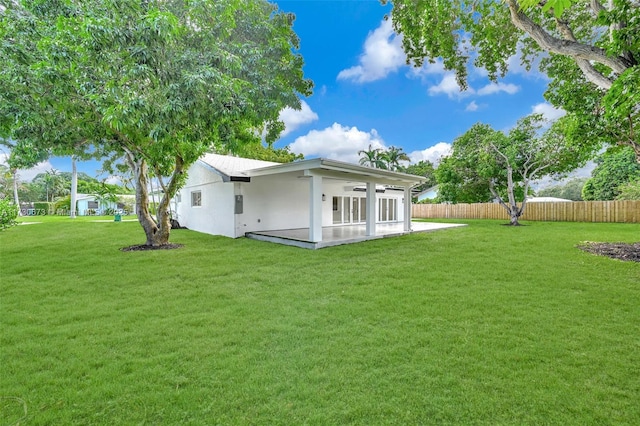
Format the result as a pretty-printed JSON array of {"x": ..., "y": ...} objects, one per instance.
[
  {"x": 43, "y": 208},
  {"x": 63, "y": 204},
  {"x": 629, "y": 190},
  {"x": 8, "y": 214}
]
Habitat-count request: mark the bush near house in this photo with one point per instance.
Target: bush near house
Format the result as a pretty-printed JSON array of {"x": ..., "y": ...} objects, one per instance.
[
  {"x": 43, "y": 208},
  {"x": 8, "y": 214},
  {"x": 63, "y": 206}
]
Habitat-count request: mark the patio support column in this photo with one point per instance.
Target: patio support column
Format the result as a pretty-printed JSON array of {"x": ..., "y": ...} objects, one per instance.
[
  {"x": 315, "y": 208},
  {"x": 371, "y": 209},
  {"x": 407, "y": 209}
]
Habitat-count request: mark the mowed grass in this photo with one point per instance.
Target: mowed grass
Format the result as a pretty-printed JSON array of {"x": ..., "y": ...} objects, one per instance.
[{"x": 485, "y": 324}]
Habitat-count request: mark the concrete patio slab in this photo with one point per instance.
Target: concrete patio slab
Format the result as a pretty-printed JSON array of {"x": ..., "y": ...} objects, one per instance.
[{"x": 345, "y": 234}]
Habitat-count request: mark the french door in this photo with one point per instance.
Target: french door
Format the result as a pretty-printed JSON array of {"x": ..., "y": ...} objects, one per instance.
[
  {"x": 387, "y": 209},
  {"x": 349, "y": 210}
]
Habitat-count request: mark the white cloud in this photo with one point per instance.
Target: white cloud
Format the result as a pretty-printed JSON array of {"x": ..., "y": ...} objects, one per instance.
[
  {"x": 27, "y": 175},
  {"x": 382, "y": 55},
  {"x": 427, "y": 69},
  {"x": 113, "y": 180},
  {"x": 548, "y": 111},
  {"x": 449, "y": 86},
  {"x": 337, "y": 142},
  {"x": 432, "y": 154},
  {"x": 473, "y": 106},
  {"x": 293, "y": 119},
  {"x": 492, "y": 88}
]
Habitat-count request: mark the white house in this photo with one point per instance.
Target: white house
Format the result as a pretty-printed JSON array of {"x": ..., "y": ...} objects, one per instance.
[
  {"x": 428, "y": 194},
  {"x": 234, "y": 197},
  {"x": 90, "y": 204}
]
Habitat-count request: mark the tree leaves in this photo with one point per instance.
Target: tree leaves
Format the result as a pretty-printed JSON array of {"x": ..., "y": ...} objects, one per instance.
[
  {"x": 557, "y": 6},
  {"x": 156, "y": 81}
]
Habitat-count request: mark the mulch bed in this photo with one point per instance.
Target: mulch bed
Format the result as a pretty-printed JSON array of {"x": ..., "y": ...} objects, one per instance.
[
  {"x": 620, "y": 251},
  {"x": 144, "y": 247}
]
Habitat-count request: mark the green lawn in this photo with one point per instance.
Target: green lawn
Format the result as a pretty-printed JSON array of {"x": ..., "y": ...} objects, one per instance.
[{"x": 485, "y": 324}]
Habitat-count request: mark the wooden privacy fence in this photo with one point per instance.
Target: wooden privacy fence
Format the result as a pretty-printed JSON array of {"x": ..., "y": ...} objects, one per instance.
[{"x": 577, "y": 211}]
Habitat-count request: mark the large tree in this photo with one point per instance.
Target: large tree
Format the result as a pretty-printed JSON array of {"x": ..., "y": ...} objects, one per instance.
[
  {"x": 392, "y": 157},
  {"x": 570, "y": 190},
  {"x": 615, "y": 168},
  {"x": 23, "y": 156},
  {"x": 422, "y": 168},
  {"x": 156, "y": 82},
  {"x": 488, "y": 163},
  {"x": 600, "y": 40},
  {"x": 372, "y": 157},
  {"x": 459, "y": 178}
]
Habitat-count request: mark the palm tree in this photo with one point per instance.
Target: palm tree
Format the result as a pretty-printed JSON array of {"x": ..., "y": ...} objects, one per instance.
[
  {"x": 372, "y": 157},
  {"x": 74, "y": 187},
  {"x": 393, "y": 156}
]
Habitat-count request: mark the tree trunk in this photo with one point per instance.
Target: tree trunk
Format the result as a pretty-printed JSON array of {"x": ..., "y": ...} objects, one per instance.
[
  {"x": 512, "y": 208},
  {"x": 514, "y": 211},
  {"x": 157, "y": 232},
  {"x": 14, "y": 172},
  {"x": 74, "y": 188}
]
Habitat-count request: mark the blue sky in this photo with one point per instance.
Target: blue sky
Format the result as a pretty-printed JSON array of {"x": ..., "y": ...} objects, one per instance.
[{"x": 365, "y": 94}]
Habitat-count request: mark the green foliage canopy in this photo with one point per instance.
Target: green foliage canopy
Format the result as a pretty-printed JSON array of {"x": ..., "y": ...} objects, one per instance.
[
  {"x": 588, "y": 45},
  {"x": 379, "y": 158},
  {"x": 629, "y": 190},
  {"x": 571, "y": 190},
  {"x": 158, "y": 82},
  {"x": 486, "y": 164},
  {"x": 8, "y": 213},
  {"x": 615, "y": 168},
  {"x": 422, "y": 168}
]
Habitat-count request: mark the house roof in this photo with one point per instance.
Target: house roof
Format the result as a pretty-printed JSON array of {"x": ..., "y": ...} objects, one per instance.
[
  {"x": 228, "y": 166},
  {"x": 243, "y": 169},
  {"x": 340, "y": 170},
  {"x": 547, "y": 200}
]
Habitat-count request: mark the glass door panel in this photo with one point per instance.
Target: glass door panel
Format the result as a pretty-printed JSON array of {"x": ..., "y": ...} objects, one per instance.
[
  {"x": 363, "y": 209},
  {"x": 337, "y": 210},
  {"x": 346, "y": 216}
]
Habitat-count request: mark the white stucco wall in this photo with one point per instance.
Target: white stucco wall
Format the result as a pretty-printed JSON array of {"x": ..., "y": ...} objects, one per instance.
[
  {"x": 215, "y": 215},
  {"x": 269, "y": 202},
  {"x": 273, "y": 202}
]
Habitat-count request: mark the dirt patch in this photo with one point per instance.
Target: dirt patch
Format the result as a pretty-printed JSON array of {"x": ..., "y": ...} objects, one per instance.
[
  {"x": 144, "y": 247},
  {"x": 621, "y": 251}
]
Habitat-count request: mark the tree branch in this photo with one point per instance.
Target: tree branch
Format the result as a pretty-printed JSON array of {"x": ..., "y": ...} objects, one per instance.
[
  {"x": 573, "y": 49},
  {"x": 589, "y": 71},
  {"x": 596, "y": 6}
]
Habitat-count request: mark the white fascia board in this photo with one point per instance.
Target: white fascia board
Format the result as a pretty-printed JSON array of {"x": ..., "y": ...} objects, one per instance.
[{"x": 340, "y": 170}]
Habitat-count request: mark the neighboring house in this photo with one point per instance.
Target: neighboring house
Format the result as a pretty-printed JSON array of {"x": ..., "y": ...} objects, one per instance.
[
  {"x": 547, "y": 200},
  {"x": 427, "y": 194},
  {"x": 233, "y": 196},
  {"x": 90, "y": 204}
]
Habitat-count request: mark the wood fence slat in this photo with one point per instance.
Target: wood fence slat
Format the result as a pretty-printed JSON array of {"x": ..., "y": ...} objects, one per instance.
[{"x": 627, "y": 211}]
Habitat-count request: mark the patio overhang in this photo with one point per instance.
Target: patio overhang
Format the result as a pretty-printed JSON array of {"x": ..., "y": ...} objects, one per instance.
[
  {"x": 319, "y": 169},
  {"x": 340, "y": 170}
]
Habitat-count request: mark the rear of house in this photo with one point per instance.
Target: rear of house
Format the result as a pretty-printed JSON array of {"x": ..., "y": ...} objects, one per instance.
[{"x": 232, "y": 196}]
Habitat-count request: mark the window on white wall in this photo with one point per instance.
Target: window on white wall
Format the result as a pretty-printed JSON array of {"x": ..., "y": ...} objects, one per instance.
[{"x": 196, "y": 198}]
